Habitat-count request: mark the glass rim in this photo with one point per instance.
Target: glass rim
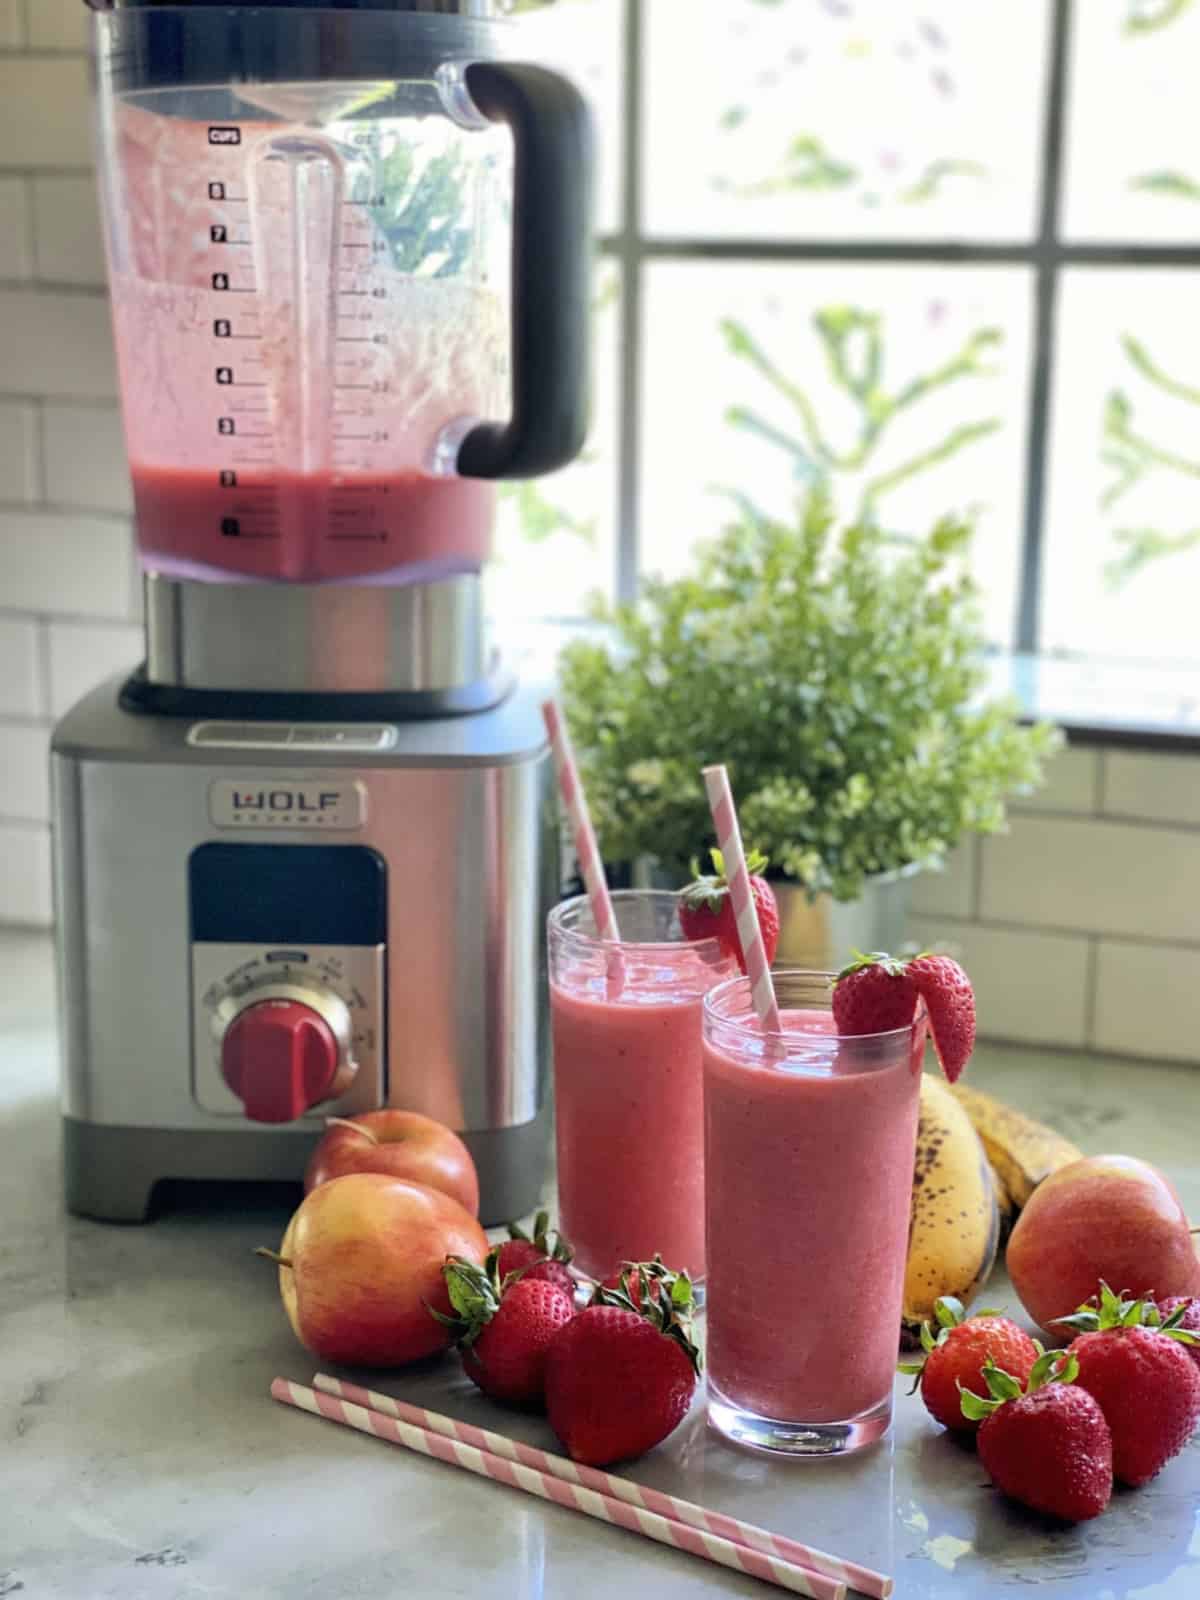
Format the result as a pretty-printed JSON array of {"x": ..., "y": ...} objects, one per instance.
[
  {"x": 559, "y": 913},
  {"x": 749, "y": 1024}
]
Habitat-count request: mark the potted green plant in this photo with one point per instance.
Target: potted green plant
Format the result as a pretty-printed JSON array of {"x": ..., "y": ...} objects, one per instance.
[{"x": 839, "y": 675}]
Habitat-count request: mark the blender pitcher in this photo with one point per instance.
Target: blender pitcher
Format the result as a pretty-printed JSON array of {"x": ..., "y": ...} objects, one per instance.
[{"x": 348, "y": 259}]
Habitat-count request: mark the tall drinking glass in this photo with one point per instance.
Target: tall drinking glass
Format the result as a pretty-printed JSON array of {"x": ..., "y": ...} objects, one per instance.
[
  {"x": 628, "y": 1083},
  {"x": 809, "y": 1145}
]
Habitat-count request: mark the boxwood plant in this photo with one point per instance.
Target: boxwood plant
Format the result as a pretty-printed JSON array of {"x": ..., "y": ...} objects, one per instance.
[{"x": 838, "y": 674}]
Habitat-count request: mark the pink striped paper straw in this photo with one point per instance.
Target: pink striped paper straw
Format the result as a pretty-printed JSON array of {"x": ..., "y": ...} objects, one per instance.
[
  {"x": 587, "y": 852},
  {"x": 574, "y": 1496},
  {"x": 729, "y": 842},
  {"x": 820, "y": 1562}
]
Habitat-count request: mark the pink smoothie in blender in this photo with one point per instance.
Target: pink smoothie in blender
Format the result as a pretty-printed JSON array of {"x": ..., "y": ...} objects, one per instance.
[{"x": 296, "y": 374}]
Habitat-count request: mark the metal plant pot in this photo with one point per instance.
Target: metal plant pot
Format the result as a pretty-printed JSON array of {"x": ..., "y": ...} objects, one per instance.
[{"x": 819, "y": 934}]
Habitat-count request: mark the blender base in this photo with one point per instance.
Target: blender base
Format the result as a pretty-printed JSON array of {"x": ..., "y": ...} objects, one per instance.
[
  {"x": 404, "y": 871},
  {"x": 110, "y": 1173}
]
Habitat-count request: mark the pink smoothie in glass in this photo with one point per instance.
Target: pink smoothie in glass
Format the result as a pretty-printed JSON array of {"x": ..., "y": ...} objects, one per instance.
[
  {"x": 630, "y": 1126},
  {"x": 626, "y": 1020},
  {"x": 809, "y": 1175}
]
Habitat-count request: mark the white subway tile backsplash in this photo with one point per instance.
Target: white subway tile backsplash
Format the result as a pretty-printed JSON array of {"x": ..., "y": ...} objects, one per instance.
[
  {"x": 45, "y": 111},
  {"x": 62, "y": 563},
  {"x": 25, "y": 894},
  {"x": 1162, "y": 788},
  {"x": 18, "y": 455},
  {"x": 24, "y": 772},
  {"x": 1101, "y": 877},
  {"x": 55, "y": 343},
  {"x": 951, "y": 892},
  {"x": 1029, "y": 986},
  {"x": 20, "y": 675},
  {"x": 82, "y": 654},
  {"x": 16, "y": 235},
  {"x": 68, "y": 247},
  {"x": 84, "y": 452},
  {"x": 58, "y": 25},
  {"x": 1070, "y": 784},
  {"x": 1148, "y": 1001}
]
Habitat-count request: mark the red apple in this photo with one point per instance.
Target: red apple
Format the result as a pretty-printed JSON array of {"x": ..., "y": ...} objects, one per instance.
[
  {"x": 361, "y": 1263},
  {"x": 401, "y": 1144},
  {"x": 1110, "y": 1217}
]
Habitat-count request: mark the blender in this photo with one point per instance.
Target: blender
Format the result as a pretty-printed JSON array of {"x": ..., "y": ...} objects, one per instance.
[{"x": 303, "y": 855}]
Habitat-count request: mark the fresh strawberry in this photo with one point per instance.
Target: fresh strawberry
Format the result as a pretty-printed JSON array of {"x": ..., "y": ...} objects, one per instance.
[
  {"x": 1141, "y": 1375},
  {"x": 874, "y": 994},
  {"x": 546, "y": 1256},
  {"x": 1048, "y": 1445},
  {"x": 706, "y": 908},
  {"x": 955, "y": 1355},
  {"x": 950, "y": 1002},
  {"x": 504, "y": 1327},
  {"x": 621, "y": 1376},
  {"x": 635, "y": 1278},
  {"x": 1188, "y": 1320},
  {"x": 877, "y": 993}
]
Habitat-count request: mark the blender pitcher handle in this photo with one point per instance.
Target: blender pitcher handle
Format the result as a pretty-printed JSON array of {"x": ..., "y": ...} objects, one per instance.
[{"x": 551, "y": 276}]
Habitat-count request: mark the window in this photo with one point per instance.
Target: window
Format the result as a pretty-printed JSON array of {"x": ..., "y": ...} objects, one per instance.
[{"x": 937, "y": 257}]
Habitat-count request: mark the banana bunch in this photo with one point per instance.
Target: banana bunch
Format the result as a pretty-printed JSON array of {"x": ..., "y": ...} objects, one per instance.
[
  {"x": 978, "y": 1162},
  {"x": 955, "y": 1228},
  {"x": 1022, "y": 1151}
]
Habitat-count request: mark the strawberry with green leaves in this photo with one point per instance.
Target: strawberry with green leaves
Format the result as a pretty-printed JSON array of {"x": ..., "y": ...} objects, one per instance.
[
  {"x": 1188, "y": 1319},
  {"x": 877, "y": 993},
  {"x": 706, "y": 907},
  {"x": 956, "y": 1353},
  {"x": 1137, "y": 1366},
  {"x": 544, "y": 1254},
  {"x": 1046, "y": 1443},
  {"x": 504, "y": 1327},
  {"x": 634, "y": 1277},
  {"x": 621, "y": 1375}
]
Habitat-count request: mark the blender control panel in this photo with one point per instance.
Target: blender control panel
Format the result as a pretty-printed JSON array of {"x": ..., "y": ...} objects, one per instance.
[
  {"x": 288, "y": 984},
  {"x": 229, "y": 981}
]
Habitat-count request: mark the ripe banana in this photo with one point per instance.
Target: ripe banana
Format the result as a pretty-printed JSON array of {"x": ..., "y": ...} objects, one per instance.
[
  {"x": 1021, "y": 1151},
  {"x": 955, "y": 1228}
]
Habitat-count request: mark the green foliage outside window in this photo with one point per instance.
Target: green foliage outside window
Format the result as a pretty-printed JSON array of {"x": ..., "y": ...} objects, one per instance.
[
  {"x": 1134, "y": 456},
  {"x": 853, "y": 343},
  {"x": 417, "y": 207}
]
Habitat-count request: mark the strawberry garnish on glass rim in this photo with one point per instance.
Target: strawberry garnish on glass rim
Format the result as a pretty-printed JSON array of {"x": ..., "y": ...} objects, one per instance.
[
  {"x": 706, "y": 907},
  {"x": 878, "y": 992}
]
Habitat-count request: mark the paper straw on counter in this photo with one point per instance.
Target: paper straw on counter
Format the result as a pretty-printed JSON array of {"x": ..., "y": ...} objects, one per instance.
[
  {"x": 876, "y": 1584},
  {"x": 587, "y": 852},
  {"x": 576, "y": 1498},
  {"x": 729, "y": 842}
]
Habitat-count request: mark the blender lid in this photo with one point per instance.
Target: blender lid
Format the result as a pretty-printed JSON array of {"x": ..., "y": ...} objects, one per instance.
[
  {"x": 460, "y": 8},
  {"x": 151, "y": 45}
]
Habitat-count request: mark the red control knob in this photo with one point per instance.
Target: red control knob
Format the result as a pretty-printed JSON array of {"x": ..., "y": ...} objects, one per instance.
[{"x": 279, "y": 1057}]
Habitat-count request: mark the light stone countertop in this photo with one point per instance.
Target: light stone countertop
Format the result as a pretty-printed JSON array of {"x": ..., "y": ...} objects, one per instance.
[{"x": 143, "y": 1459}]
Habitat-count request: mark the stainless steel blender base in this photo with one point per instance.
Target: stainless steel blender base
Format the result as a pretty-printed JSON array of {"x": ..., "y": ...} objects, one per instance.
[
  {"x": 110, "y": 1173},
  {"x": 185, "y": 866},
  {"x": 313, "y": 638}
]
